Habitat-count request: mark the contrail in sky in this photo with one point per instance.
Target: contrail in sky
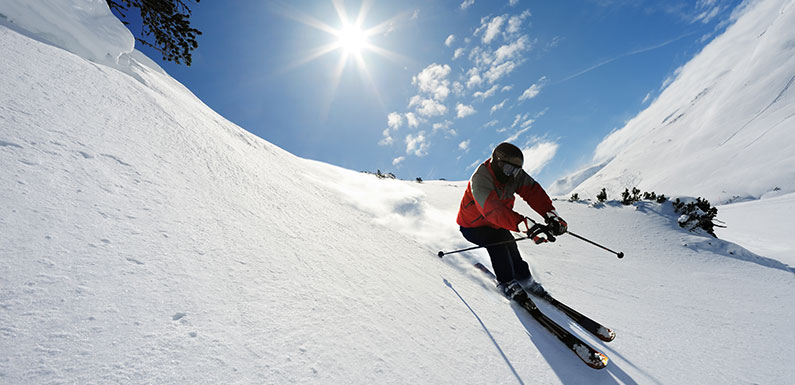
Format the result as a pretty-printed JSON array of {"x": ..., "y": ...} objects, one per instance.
[{"x": 635, "y": 52}]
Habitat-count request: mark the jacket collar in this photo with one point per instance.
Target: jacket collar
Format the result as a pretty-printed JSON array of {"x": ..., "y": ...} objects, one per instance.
[{"x": 497, "y": 182}]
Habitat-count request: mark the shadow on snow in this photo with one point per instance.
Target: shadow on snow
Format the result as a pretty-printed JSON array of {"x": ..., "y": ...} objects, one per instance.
[{"x": 497, "y": 345}]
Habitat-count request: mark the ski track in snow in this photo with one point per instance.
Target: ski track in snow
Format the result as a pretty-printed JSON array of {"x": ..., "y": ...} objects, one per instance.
[{"x": 145, "y": 239}]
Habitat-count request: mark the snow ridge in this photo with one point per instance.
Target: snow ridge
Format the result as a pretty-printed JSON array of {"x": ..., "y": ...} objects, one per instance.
[{"x": 724, "y": 127}]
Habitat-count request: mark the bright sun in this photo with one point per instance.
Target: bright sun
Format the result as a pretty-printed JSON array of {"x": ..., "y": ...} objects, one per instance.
[
  {"x": 353, "y": 42},
  {"x": 352, "y": 39}
]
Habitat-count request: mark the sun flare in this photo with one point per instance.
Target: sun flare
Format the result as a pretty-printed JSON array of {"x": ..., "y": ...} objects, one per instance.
[
  {"x": 352, "y": 39},
  {"x": 353, "y": 42}
]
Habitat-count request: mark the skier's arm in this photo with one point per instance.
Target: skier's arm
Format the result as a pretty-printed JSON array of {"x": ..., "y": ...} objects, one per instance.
[{"x": 534, "y": 194}]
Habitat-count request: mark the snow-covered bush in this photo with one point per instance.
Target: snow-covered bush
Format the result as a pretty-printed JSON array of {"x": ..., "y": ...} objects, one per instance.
[
  {"x": 696, "y": 214},
  {"x": 652, "y": 196},
  {"x": 628, "y": 198},
  {"x": 602, "y": 196}
]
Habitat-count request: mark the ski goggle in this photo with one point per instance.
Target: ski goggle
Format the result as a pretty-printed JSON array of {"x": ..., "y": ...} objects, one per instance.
[{"x": 510, "y": 170}]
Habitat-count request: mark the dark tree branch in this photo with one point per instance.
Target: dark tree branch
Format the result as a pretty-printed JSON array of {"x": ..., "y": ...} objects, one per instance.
[{"x": 168, "y": 22}]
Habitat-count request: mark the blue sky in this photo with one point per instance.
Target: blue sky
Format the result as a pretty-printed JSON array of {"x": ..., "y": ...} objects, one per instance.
[{"x": 439, "y": 83}]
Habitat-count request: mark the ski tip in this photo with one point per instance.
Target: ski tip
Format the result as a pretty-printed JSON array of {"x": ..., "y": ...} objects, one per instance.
[
  {"x": 590, "y": 356},
  {"x": 598, "y": 361},
  {"x": 606, "y": 334}
]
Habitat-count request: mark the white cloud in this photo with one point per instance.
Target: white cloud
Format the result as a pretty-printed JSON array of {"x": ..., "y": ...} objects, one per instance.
[
  {"x": 458, "y": 89},
  {"x": 646, "y": 98},
  {"x": 491, "y": 123},
  {"x": 417, "y": 144},
  {"x": 534, "y": 89},
  {"x": 445, "y": 126},
  {"x": 427, "y": 107},
  {"x": 712, "y": 10},
  {"x": 458, "y": 53},
  {"x": 474, "y": 77},
  {"x": 463, "y": 111},
  {"x": 538, "y": 156},
  {"x": 493, "y": 29},
  {"x": 513, "y": 2},
  {"x": 464, "y": 146},
  {"x": 449, "y": 41},
  {"x": 519, "y": 118},
  {"x": 531, "y": 92},
  {"x": 397, "y": 161},
  {"x": 415, "y": 15},
  {"x": 467, "y": 3},
  {"x": 511, "y": 50},
  {"x": 506, "y": 88},
  {"x": 517, "y": 134},
  {"x": 498, "y": 106},
  {"x": 483, "y": 95},
  {"x": 387, "y": 140},
  {"x": 433, "y": 80},
  {"x": 495, "y": 73},
  {"x": 412, "y": 120},
  {"x": 515, "y": 22},
  {"x": 394, "y": 120},
  {"x": 476, "y": 55}
]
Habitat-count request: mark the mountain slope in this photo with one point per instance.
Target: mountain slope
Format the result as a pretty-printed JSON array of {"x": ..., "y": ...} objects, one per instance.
[
  {"x": 763, "y": 226},
  {"x": 146, "y": 239},
  {"x": 724, "y": 127}
]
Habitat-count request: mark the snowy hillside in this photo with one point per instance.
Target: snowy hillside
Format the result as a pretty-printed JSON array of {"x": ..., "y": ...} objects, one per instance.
[
  {"x": 146, "y": 239},
  {"x": 724, "y": 128}
]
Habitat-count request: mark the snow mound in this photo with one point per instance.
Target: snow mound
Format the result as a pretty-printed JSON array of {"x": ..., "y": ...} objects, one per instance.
[{"x": 86, "y": 28}]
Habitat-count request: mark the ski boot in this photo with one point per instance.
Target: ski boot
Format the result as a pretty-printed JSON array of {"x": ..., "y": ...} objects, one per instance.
[
  {"x": 531, "y": 286},
  {"x": 510, "y": 289}
]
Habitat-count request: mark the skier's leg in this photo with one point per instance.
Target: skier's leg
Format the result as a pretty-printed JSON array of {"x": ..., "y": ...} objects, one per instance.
[
  {"x": 520, "y": 268},
  {"x": 500, "y": 255}
]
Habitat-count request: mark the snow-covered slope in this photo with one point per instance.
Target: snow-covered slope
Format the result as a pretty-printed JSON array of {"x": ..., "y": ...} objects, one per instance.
[
  {"x": 564, "y": 185},
  {"x": 85, "y": 27},
  {"x": 763, "y": 226},
  {"x": 724, "y": 128},
  {"x": 146, "y": 239}
]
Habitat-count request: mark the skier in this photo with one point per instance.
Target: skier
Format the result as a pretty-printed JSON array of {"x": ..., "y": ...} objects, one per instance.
[{"x": 486, "y": 215}]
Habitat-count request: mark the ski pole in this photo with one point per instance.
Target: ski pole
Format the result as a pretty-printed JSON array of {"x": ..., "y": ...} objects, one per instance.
[
  {"x": 618, "y": 254},
  {"x": 443, "y": 253}
]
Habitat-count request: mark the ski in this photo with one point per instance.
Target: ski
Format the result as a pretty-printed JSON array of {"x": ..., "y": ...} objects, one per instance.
[
  {"x": 585, "y": 352},
  {"x": 593, "y": 327},
  {"x": 588, "y": 324}
]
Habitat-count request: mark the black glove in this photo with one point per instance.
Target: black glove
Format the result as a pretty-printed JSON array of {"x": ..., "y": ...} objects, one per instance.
[
  {"x": 555, "y": 223},
  {"x": 537, "y": 230}
]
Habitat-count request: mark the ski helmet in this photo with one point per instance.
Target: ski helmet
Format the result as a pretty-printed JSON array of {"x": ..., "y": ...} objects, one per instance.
[{"x": 508, "y": 153}]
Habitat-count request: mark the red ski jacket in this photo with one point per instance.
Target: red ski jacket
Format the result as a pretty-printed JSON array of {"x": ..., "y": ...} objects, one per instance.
[{"x": 487, "y": 202}]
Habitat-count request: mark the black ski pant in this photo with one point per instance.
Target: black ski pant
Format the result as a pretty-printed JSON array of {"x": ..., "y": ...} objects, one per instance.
[{"x": 505, "y": 258}]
